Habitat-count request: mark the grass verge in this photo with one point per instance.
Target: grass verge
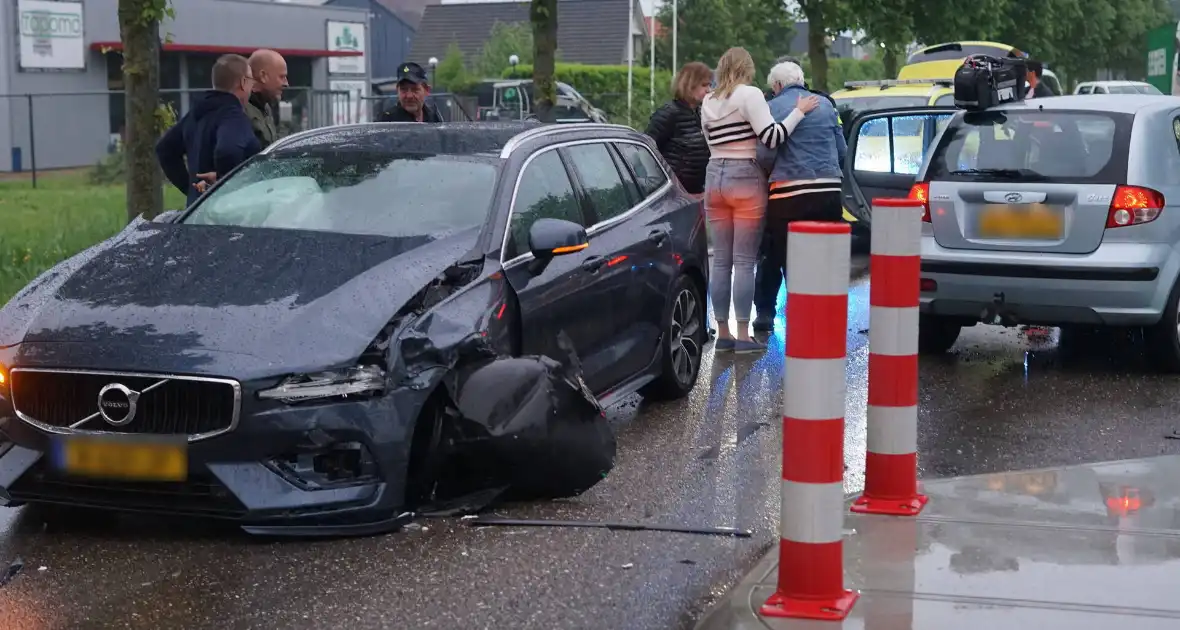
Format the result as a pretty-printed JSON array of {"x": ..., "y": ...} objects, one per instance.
[{"x": 65, "y": 214}]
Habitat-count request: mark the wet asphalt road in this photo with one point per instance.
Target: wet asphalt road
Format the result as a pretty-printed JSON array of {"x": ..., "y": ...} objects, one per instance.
[{"x": 999, "y": 401}]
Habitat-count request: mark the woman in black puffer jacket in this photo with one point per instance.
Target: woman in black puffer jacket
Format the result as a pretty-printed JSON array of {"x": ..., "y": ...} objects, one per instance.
[{"x": 676, "y": 127}]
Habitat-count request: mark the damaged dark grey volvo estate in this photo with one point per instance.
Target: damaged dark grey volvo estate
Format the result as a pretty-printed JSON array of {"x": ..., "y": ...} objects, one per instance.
[{"x": 360, "y": 322}]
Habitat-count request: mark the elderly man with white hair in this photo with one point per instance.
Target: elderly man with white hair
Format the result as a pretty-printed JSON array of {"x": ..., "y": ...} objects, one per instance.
[{"x": 805, "y": 171}]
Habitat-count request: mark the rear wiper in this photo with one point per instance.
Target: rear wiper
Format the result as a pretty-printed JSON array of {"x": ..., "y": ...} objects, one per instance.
[{"x": 1007, "y": 173}]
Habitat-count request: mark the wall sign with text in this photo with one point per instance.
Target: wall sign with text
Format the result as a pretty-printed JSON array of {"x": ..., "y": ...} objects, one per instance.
[
  {"x": 52, "y": 35},
  {"x": 347, "y": 37}
]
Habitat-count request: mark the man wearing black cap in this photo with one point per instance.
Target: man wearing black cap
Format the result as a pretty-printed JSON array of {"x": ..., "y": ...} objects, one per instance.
[{"x": 412, "y": 89}]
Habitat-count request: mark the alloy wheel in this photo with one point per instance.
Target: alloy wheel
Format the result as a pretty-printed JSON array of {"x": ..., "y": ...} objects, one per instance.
[{"x": 684, "y": 333}]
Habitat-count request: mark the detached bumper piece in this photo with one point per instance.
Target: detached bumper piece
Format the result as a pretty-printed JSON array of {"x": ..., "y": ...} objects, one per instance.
[{"x": 531, "y": 424}]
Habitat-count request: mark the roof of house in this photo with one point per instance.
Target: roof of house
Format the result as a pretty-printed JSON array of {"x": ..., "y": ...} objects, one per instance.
[
  {"x": 409, "y": 11},
  {"x": 588, "y": 31}
]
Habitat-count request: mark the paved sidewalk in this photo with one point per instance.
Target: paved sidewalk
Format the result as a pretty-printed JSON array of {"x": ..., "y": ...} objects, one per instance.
[{"x": 1090, "y": 547}]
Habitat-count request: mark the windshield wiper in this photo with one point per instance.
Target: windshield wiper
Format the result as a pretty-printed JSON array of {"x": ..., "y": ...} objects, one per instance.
[{"x": 1006, "y": 173}]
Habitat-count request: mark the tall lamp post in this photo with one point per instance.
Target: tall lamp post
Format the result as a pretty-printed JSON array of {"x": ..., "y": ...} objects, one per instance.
[
  {"x": 512, "y": 61},
  {"x": 433, "y": 67},
  {"x": 675, "y": 26}
]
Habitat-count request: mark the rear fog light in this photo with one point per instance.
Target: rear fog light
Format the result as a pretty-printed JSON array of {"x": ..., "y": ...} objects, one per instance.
[{"x": 928, "y": 285}]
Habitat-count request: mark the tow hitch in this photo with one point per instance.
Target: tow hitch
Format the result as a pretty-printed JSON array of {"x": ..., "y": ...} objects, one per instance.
[{"x": 997, "y": 312}]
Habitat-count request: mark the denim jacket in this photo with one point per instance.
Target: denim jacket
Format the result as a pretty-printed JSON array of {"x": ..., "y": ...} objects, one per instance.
[{"x": 815, "y": 150}]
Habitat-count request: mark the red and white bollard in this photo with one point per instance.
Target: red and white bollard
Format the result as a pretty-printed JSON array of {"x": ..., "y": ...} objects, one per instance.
[
  {"x": 891, "y": 467},
  {"x": 811, "y": 525}
]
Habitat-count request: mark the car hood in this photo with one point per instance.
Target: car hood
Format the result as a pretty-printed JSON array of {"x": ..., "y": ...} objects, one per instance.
[{"x": 236, "y": 302}]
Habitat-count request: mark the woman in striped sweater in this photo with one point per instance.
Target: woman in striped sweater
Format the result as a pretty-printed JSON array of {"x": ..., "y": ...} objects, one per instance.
[{"x": 735, "y": 118}]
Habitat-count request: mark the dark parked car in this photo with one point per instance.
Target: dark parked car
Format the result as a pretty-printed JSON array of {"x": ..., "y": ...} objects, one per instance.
[{"x": 352, "y": 316}]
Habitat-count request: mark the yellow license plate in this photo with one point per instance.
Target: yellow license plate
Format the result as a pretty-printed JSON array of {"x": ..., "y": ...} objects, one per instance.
[
  {"x": 133, "y": 460},
  {"x": 1032, "y": 221}
]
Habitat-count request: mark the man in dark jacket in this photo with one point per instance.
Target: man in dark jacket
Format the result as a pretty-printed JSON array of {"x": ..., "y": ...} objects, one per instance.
[
  {"x": 270, "y": 77},
  {"x": 413, "y": 87},
  {"x": 215, "y": 136}
]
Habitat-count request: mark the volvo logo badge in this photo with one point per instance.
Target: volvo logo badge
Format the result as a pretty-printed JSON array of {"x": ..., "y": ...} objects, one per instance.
[
  {"x": 116, "y": 403},
  {"x": 1013, "y": 198}
]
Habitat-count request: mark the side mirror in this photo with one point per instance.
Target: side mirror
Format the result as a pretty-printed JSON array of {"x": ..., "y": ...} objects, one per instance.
[
  {"x": 556, "y": 237},
  {"x": 166, "y": 216}
]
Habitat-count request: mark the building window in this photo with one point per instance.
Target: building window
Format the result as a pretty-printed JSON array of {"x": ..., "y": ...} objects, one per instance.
[{"x": 169, "y": 80}]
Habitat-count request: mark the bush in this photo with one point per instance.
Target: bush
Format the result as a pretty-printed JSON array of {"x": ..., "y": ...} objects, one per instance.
[
  {"x": 606, "y": 88},
  {"x": 112, "y": 169}
]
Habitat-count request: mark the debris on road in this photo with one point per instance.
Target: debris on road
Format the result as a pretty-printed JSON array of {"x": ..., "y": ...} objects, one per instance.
[
  {"x": 486, "y": 521},
  {"x": 629, "y": 565},
  {"x": 11, "y": 572}
]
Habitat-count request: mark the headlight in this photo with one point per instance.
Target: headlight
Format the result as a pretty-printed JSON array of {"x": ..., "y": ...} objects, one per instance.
[{"x": 364, "y": 379}]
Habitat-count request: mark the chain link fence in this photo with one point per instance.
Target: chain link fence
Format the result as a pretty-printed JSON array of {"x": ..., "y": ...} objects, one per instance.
[{"x": 65, "y": 130}]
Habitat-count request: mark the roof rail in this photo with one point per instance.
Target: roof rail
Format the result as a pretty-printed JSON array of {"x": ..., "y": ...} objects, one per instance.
[
  {"x": 529, "y": 134},
  {"x": 893, "y": 82},
  {"x": 308, "y": 132}
]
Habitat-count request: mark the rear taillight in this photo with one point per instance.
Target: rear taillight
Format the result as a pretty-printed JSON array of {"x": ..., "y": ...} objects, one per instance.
[
  {"x": 1133, "y": 205},
  {"x": 921, "y": 192}
]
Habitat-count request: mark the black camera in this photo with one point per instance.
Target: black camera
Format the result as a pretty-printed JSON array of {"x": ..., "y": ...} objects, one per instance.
[{"x": 983, "y": 82}]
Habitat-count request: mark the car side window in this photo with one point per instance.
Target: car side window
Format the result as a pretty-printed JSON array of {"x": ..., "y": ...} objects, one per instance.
[
  {"x": 544, "y": 192},
  {"x": 648, "y": 174},
  {"x": 1085, "y": 89},
  {"x": 1168, "y": 171},
  {"x": 600, "y": 179},
  {"x": 906, "y": 138},
  {"x": 945, "y": 99},
  {"x": 628, "y": 180}
]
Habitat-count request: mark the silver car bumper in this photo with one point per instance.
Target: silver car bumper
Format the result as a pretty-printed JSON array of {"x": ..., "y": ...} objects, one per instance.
[{"x": 1119, "y": 284}]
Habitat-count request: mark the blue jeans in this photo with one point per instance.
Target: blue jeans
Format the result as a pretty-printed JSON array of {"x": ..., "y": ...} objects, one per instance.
[{"x": 735, "y": 203}]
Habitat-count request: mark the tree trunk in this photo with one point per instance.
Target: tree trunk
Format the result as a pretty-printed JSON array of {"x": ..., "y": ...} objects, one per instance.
[
  {"x": 817, "y": 45},
  {"x": 141, "y": 83},
  {"x": 890, "y": 60},
  {"x": 543, "y": 15}
]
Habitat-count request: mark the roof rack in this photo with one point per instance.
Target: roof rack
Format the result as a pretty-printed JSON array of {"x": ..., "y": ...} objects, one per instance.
[{"x": 883, "y": 83}]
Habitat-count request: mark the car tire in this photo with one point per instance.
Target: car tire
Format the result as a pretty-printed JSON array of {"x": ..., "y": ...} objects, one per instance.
[
  {"x": 428, "y": 453},
  {"x": 937, "y": 334},
  {"x": 861, "y": 238},
  {"x": 682, "y": 345},
  {"x": 1163, "y": 339}
]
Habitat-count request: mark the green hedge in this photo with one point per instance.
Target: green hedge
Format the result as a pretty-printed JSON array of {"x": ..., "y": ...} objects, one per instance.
[{"x": 606, "y": 88}]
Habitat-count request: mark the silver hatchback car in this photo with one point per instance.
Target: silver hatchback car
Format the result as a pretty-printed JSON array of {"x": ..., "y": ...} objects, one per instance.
[{"x": 1054, "y": 211}]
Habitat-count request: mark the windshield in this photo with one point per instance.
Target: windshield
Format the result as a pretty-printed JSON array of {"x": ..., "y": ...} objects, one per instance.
[
  {"x": 851, "y": 107},
  {"x": 1059, "y": 146},
  {"x": 355, "y": 192}
]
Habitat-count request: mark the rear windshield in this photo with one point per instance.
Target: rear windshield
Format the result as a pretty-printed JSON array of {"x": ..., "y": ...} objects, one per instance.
[
  {"x": 1133, "y": 89},
  {"x": 958, "y": 51},
  {"x": 1062, "y": 146}
]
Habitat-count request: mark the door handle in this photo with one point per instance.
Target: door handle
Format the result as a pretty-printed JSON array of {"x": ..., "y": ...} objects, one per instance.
[
  {"x": 658, "y": 236},
  {"x": 593, "y": 264}
]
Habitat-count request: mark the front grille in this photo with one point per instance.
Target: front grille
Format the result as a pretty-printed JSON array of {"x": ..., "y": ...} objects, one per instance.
[
  {"x": 200, "y": 495},
  {"x": 167, "y": 404}
]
